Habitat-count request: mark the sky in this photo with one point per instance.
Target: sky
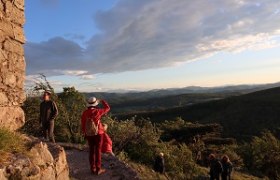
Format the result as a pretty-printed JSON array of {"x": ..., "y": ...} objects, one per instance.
[{"x": 118, "y": 45}]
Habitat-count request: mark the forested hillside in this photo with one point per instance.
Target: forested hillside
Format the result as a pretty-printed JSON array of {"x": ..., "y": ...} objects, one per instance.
[{"x": 241, "y": 116}]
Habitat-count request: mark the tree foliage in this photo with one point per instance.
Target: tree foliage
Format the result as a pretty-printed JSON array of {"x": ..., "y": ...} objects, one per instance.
[
  {"x": 139, "y": 140},
  {"x": 262, "y": 154},
  {"x": 74, "y": 104}
]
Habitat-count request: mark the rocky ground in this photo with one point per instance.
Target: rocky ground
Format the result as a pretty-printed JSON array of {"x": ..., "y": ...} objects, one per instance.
[
  {"x": 43, "y": 161},
  {"x": 115, "y": 169}
]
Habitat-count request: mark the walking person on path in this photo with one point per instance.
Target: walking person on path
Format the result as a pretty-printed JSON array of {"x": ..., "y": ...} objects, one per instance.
[
  {"x": 93, "y": 131},
  {"x": 48, "y": 112},
  {"x": 215, "y": 167},
  {"x": 159, "y": 165},
  {"x": 227, "y": 168}
]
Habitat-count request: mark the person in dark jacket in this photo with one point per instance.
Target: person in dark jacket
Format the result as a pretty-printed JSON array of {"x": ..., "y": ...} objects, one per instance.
[
  {"x": 215, "y": 167},
  {"x": 227, "y": 168},
  {"x": 159, "y": 163},
  {"x": 48, "y": 112}
]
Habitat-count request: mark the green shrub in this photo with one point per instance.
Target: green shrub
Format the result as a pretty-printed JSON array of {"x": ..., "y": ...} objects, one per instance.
[
  {"x": 262, "y": 154},
  {"x": 31, "y": 109},
  {"x": 139, "y": 141}
]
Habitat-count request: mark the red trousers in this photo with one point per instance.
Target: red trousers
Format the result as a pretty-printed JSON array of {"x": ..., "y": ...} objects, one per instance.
[{"x": 95, "y": 146}]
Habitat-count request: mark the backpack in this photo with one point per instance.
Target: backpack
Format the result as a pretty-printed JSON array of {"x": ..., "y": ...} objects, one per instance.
[{"x": 91, "y": 127}]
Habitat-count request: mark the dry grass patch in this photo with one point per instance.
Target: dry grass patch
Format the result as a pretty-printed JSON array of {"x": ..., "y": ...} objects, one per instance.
[{"x": 10, "y": 143}]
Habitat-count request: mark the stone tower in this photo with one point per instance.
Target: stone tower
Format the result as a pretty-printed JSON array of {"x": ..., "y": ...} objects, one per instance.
[{"x": 12, "y": 63}]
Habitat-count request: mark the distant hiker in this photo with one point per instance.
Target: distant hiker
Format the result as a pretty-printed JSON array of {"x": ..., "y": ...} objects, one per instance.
[
  {"x": 199, "y": 158},
  {"x": 93, "y": 130},
  {"x": 194, "y": 140},
  {"x": 159, "y": 163},
  {"x": 48, "y": 112},
  {"x": 227, "y": 168},
  {"x": 215, "y": 167},
  {"x": 107, "y": 142}
]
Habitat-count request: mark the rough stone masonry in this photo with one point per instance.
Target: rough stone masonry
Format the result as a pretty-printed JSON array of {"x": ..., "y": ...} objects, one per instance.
[{"x": 12, "y": 63}]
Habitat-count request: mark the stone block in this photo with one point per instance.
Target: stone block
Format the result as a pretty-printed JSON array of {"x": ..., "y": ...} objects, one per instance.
[
  {"x": 18, "y": 33},
  {"x": 3, "y": 99},
  {"x": 13, "y": 46},
  {"x": 11, "y": 117},
  {"x": 41, "y": 155},
  {"x": 14, "y": 14},
  {"x": 19, "y": 4},
  {"x": 9, "y": 79},
  {"x": 6, "y": 28},
  {"x": 48, "y": 174}
]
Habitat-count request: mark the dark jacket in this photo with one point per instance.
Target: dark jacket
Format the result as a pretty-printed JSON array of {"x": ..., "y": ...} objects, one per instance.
[
  {"x": 227, "y": 169},
  {"x": 48, "y": 111},
  {"x": 159, "y": 164},
  {"x": 215, "y": 168}
]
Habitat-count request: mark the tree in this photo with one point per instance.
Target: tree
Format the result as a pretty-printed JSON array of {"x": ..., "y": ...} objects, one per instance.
[
  {"x": 262, "y": 154},
  {"x": 74, "y": 103}
]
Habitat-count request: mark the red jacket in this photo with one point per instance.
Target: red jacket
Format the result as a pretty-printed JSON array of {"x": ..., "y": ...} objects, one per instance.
[
  {"x": 96, "y": 113},
  {"x": 107, "y": 144}
]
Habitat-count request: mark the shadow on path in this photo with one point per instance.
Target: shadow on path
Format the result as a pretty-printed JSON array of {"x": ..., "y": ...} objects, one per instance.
[{"x": 115, "y": 169}]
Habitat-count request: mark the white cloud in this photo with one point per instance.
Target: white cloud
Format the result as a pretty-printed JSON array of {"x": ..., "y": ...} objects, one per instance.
[
  {"x": 137, "y": 35},
  {"x": 87, "y": 77},
  {"x": 74, "y": 73}
]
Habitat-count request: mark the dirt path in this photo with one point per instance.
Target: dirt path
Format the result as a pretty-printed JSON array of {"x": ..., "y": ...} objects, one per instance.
[{"x": 115, "y": 169}]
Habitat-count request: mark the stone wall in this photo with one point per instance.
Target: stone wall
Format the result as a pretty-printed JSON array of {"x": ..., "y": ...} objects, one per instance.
[{"x": 12, "y": 63}]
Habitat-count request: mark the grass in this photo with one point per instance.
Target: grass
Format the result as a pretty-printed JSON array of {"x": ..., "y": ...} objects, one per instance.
[
  {"x": 146, "y": 172},
  {"x": 10, "y": 143},
  {"x": 243, "y": 176}
]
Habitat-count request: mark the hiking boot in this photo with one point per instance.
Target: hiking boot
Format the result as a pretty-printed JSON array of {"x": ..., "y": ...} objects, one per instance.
[
  {"x": 111, "y": 165},
  {"x": 93, "y": 170},
  {"x": 100, "y": 171}
]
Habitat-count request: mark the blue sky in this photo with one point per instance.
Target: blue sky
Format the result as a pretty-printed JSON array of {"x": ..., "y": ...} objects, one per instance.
[{"x": 140, "y": 45}]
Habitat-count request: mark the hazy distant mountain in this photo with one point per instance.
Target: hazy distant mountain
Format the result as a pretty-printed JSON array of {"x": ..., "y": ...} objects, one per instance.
[
  {"x": 230, "y": 88},
  {"x": 123, "y": 96}
]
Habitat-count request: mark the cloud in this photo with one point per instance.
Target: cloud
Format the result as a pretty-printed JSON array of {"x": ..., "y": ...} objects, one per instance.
[
  {"x": 87, "y": 77},
  {"x": 75, "y": 36},
  {"x": 137, "y": 35},
  {"x": 53, "y": 56}
]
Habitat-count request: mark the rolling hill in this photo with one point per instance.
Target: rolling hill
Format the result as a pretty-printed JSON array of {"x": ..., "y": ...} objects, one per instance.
[
  {"x": 161, "y": 103},
  {"x": 241, "y": 116},
  {"x": 161, "y": 99}
]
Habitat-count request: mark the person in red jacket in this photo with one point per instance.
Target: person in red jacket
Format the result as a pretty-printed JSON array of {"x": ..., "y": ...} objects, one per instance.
[
  {"x": 94, "y": 114},
  {"x": 107, "y": 142}
]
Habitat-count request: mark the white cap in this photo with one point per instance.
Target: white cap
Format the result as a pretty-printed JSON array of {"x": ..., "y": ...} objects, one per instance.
[
  {"x": 48, "y": 91},
  {"x": 92, "y": 101}
]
